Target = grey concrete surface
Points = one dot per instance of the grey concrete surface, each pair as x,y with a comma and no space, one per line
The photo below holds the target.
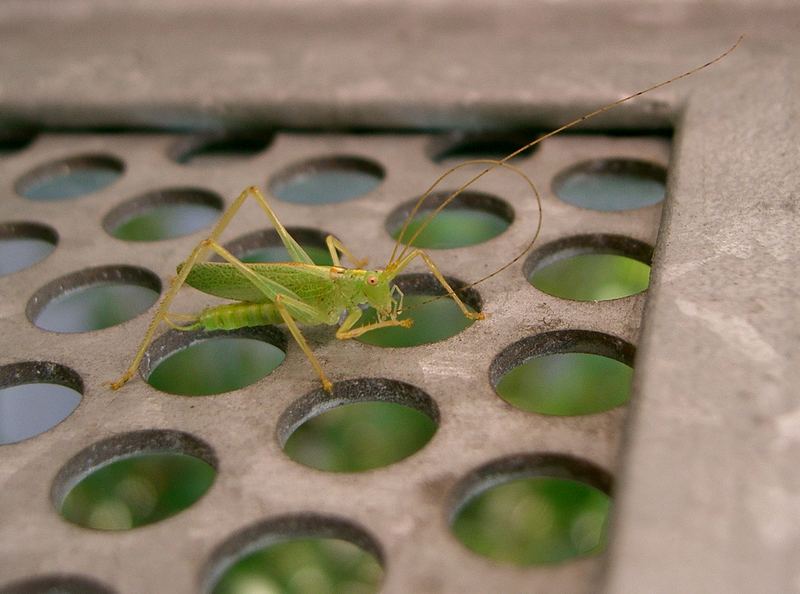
712,487
353,63
704,467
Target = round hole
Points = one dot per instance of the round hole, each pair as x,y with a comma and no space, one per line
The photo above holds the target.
93,299
591,267
533,510
434,319
611,184
465,146
134,479
70,178
304,553
366,423
56,584
164,214
566,372
24,244
34,397
218,149
198,363
327,180
265,246
471,218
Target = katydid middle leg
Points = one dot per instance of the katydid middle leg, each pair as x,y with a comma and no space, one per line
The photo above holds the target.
335,244
346,330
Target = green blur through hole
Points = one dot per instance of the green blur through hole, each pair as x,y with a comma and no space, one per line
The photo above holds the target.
567,384
304,566
74,182
167,221
453,228
137,491
610,191
592,277
535,521
95,307
20,252
216,365
433,321
359,436
326,186
319,256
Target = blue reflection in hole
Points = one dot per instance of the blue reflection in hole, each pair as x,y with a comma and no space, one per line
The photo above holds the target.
327,186
19,253
610,192
70,178
612,184
70,185
95,307
31,409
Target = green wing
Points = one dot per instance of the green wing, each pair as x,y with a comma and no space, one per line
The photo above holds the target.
305,282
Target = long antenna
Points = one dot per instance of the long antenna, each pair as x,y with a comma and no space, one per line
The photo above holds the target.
501,162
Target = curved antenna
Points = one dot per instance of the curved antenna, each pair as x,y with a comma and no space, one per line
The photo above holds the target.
504,160
495,164
418,205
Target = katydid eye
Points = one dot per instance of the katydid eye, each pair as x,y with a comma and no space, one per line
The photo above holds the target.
372,280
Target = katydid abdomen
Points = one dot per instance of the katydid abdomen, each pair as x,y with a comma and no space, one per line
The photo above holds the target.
239,315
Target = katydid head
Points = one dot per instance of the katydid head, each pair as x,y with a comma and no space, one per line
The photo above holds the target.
378,291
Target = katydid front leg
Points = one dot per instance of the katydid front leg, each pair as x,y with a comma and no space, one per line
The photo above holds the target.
345,333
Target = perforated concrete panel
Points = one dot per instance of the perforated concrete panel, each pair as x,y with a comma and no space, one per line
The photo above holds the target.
700,464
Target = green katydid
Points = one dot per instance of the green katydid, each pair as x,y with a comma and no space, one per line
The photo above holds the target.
302,292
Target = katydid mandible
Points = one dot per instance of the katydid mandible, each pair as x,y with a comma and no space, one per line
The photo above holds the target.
300,292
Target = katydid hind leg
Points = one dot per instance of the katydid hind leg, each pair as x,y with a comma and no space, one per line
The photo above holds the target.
296,252
176,283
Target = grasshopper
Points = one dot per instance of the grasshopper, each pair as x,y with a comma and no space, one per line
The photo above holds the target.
300,292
